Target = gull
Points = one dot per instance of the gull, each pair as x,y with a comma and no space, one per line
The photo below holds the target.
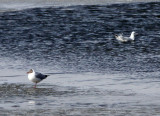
121,38
35,77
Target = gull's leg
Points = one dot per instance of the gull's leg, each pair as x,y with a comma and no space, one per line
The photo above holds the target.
35,85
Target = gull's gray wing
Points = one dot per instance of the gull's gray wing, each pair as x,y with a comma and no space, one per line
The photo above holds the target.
40,76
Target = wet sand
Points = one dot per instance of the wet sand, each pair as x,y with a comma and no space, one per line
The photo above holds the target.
77,96
22,99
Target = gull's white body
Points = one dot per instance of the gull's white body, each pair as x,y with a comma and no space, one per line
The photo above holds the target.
32,77
121,38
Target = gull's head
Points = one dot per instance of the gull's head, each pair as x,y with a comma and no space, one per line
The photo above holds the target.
30,71
134,33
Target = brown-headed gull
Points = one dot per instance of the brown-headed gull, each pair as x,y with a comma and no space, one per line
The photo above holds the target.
121,38
35,77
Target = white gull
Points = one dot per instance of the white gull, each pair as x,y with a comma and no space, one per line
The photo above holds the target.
35,77
121,38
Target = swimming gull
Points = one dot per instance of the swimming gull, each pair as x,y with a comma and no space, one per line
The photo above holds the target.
121,38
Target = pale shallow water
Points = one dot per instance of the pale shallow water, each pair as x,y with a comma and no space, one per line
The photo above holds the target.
90,72
9,5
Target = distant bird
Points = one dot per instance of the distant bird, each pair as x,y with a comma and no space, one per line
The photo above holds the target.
121,38
35,77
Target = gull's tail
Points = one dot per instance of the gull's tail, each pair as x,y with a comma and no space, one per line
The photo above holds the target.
46,76
116,35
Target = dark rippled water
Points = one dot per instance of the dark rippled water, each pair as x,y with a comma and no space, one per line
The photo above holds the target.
90,72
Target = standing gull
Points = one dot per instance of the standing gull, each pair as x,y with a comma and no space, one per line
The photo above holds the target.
35,77
121,38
